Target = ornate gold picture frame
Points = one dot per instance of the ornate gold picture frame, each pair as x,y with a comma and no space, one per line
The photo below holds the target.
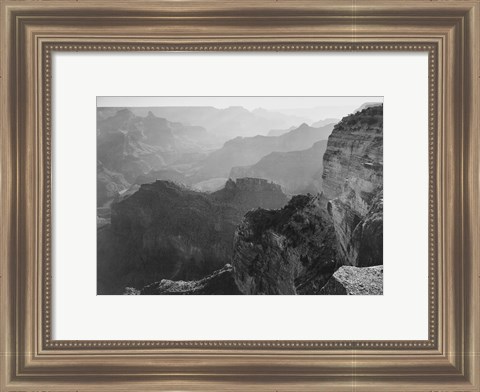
448,31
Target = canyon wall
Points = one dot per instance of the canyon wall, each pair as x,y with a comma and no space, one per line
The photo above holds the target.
297,249
353,184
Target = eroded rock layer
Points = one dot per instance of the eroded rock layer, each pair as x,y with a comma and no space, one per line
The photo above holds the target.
287,251
353,184
295,250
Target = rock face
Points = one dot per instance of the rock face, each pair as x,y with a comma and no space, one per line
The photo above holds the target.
220,282
287,251
296,250
245,151
166,231
348,280
250,193
298,172
353,182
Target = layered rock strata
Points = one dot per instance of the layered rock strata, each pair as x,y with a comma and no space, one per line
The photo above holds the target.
353,183
296,250
287,251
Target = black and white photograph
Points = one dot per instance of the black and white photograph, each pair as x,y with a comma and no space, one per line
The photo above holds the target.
239,195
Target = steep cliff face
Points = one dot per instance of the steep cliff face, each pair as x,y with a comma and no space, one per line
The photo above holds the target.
287,251
166,231
296,250
353,160
353,182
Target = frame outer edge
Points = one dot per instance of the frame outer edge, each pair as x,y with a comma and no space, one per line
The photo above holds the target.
470,169
472,164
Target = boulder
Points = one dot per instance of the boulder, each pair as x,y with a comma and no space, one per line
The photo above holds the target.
349,280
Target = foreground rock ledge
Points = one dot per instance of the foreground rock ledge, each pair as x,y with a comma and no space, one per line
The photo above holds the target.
221,282
348,280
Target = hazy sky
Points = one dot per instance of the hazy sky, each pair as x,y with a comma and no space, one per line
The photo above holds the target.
332,106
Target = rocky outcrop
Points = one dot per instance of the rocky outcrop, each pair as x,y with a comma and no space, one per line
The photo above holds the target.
250,193
287,251
220,282
297,172
353,182
348,280
166,231
162,174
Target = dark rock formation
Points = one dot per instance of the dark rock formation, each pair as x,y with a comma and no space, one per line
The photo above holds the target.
353,182
162,174
298,172
287,251
348,280
245,151
220,282
250,193
367,238
166,231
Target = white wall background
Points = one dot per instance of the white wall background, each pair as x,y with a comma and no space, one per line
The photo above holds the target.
401,313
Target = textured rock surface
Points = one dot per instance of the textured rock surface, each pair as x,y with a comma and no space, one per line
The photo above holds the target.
296,250
166,231
367,239
353,160
287,251
353,182
348,280
298,172
220,282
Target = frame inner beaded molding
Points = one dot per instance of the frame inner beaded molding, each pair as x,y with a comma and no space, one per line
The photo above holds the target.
47,341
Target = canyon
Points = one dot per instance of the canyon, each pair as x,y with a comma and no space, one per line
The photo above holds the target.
299,213
167,231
